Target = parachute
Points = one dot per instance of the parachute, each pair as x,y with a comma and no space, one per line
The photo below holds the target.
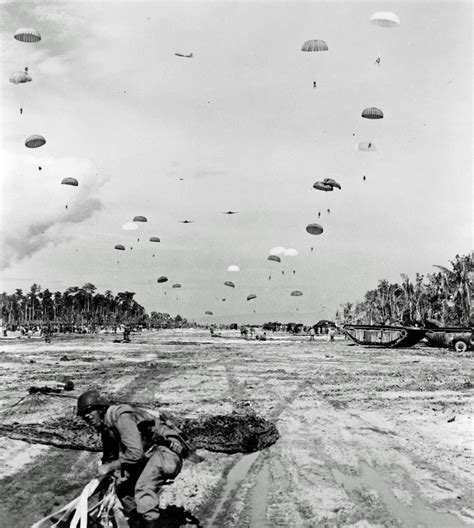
120,247
27,35
296,293
314,45
277,250
314,229
70,181
129,226
35,141
20,77
291,252
372,113
366,146
233,268
251,296
161,279
274,257
208,313
321,186
140,219
229,283
385,19
154,239
331,182
176,286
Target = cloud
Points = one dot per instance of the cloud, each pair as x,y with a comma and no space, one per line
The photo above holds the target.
38,211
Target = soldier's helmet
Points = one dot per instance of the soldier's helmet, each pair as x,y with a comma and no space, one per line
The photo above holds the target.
90,400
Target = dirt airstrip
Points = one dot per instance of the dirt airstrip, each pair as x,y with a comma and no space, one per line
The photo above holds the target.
368,437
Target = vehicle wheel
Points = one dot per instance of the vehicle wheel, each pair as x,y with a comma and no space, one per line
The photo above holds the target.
460,346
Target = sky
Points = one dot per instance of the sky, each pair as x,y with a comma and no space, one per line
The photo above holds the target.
237,127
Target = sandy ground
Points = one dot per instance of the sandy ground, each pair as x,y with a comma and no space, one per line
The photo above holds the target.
369,437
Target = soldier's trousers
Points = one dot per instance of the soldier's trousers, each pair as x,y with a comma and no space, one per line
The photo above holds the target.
141,490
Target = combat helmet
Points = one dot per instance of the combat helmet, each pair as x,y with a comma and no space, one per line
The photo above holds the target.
90,400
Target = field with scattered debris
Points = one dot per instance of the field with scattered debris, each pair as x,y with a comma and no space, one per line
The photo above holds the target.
368,437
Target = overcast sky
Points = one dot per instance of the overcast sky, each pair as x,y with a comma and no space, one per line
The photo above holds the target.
237,127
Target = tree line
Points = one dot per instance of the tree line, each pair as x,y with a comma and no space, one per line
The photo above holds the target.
79,306
441,298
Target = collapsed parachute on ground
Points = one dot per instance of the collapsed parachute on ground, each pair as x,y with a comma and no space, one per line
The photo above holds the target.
290,252
229,283
275,258
129,226
233,268
120,247
35,141
70,181
321,186
251,296
372,113
140,219
154,239
366,146
314,45
20,77
314,229
331,182
176,285
162,279
209,312
27,35
296,293
385,19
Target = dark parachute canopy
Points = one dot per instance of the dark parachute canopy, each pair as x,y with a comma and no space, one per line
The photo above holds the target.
20,77
275,258
251,296
314,229
140,219
154,239
208,312
35,141
296,293
27,35
162,279
229,283
331,182
372,113
321,186
70,181
120,247
176,285
314,45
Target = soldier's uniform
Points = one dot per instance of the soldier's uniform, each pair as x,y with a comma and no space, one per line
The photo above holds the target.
149,452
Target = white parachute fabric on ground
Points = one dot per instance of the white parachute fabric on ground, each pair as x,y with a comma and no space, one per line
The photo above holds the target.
80,504
82,509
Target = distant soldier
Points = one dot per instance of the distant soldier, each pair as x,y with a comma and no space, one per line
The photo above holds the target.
126,334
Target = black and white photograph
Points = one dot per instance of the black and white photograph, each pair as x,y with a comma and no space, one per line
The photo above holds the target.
236,264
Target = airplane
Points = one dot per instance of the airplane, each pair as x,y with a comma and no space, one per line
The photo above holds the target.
186,221
190,56
230,212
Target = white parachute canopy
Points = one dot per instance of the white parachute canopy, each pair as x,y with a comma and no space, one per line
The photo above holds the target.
233,268
385,19
290,252
130,226
279,250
